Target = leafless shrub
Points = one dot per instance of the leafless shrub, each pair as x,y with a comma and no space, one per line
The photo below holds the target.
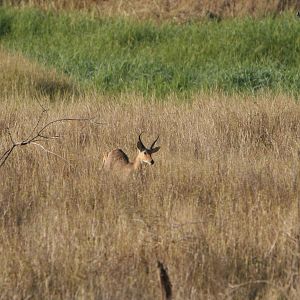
38,134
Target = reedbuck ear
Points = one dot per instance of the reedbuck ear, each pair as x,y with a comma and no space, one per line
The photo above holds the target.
154,150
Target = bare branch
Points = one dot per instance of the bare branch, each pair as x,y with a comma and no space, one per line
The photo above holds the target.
36,125
36,135
62,120
50,152
6,154
40,104
48,137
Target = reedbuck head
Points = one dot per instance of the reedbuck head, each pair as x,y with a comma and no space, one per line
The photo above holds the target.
145,154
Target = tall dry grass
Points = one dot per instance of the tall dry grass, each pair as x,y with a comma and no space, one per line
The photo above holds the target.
167,9
218,208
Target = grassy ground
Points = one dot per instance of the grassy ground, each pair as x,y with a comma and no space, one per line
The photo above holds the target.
219,207
123,55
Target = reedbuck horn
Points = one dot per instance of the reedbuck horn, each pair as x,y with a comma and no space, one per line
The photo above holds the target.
151,147
140,144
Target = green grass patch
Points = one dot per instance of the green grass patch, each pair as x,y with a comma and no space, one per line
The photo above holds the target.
117,55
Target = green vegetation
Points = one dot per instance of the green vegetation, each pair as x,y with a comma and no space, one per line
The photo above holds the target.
114,55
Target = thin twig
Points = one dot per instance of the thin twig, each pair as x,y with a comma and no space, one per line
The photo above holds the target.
50,152
40,104
36,125
62,120
5,156
49,137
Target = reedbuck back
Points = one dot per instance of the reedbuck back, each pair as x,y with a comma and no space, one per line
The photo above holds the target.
118,162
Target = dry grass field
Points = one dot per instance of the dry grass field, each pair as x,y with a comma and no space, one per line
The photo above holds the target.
177,10
218,208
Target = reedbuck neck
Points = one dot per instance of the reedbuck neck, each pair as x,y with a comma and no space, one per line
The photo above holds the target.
118,161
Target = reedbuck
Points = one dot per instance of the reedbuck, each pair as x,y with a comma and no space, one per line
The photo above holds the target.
118,162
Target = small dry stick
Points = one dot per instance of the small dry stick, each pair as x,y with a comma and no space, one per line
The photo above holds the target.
37,135
165,283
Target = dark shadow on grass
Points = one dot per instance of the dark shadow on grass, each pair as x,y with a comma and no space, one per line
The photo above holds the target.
54,89
5,22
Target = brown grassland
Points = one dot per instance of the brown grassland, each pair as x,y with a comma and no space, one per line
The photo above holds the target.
178,10
218,208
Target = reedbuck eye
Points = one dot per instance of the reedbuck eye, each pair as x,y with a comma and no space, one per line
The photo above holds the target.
145,152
